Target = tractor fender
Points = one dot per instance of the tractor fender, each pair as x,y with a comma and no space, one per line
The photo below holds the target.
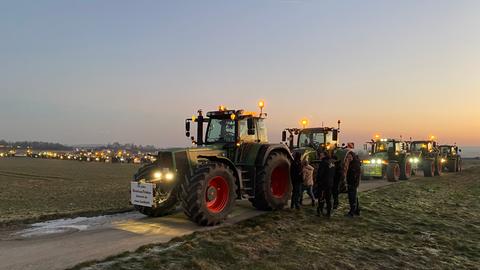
266,150
225,161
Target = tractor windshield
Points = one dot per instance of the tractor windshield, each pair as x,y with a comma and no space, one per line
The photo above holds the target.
311,139
446,150
419,146
220,131
382,146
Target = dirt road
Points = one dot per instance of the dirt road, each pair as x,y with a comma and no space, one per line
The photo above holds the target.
60,244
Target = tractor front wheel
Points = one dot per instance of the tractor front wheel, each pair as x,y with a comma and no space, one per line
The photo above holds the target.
273,185
452,165
393,172
209,196
428,168
405,169
438,167
165,208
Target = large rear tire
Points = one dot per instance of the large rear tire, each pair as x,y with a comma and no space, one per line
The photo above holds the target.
428,168
405,169
273,185
209,196
393,172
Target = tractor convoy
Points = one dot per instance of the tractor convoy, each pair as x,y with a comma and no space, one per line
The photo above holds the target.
231,159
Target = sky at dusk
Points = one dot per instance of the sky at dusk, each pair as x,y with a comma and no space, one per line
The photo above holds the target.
80,72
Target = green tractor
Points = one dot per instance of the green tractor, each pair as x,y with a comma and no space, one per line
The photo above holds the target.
310,141
387,158
233,161
451,159
425,156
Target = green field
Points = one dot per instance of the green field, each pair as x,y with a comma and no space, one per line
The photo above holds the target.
427,223
38,189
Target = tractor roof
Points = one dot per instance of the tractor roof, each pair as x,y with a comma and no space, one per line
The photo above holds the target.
227,114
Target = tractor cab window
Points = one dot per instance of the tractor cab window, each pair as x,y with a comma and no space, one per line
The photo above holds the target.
243,132
383,146
419,146
445,150
311,139
221,131
329,138
262,131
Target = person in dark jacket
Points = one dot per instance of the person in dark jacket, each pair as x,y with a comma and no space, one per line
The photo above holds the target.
297,180
336,181
353,181
325,175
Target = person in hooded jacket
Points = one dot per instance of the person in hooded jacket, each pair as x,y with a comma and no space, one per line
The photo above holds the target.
325,175
307,173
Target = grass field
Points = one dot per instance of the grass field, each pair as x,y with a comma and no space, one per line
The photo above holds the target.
38,189
429,223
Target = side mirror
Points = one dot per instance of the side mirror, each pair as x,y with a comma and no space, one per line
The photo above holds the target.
187,128
284,136
251,126
335,135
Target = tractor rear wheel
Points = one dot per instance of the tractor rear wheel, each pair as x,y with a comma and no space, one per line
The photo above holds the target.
209,196
438,167
452,165
405,169
428,168
393,172
273,185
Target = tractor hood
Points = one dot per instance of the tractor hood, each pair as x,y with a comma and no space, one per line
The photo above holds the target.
379,155
179,162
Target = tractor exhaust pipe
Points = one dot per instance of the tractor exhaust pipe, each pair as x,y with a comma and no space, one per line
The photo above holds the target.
200,128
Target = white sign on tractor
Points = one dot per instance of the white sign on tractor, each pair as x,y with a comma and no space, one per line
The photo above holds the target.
141,194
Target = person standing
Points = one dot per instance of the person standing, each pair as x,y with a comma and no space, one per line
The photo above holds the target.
336,181
307,173
326,172
353,181
297,181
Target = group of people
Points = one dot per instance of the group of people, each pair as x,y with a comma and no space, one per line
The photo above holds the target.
322,184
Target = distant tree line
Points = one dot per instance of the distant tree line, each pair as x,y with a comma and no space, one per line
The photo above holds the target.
36,145
61,147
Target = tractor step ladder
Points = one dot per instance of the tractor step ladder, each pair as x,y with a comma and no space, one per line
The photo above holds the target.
248,186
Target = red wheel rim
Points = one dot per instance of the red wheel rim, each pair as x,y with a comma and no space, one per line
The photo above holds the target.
217,193
279,181
408,169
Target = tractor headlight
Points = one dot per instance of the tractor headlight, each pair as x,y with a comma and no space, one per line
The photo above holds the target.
157,175
373,161
410,160
443,160
169,176
415,160
379,161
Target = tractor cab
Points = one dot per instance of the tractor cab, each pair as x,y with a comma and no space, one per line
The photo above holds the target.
318,138
449,150
423,147
228,128
388,146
